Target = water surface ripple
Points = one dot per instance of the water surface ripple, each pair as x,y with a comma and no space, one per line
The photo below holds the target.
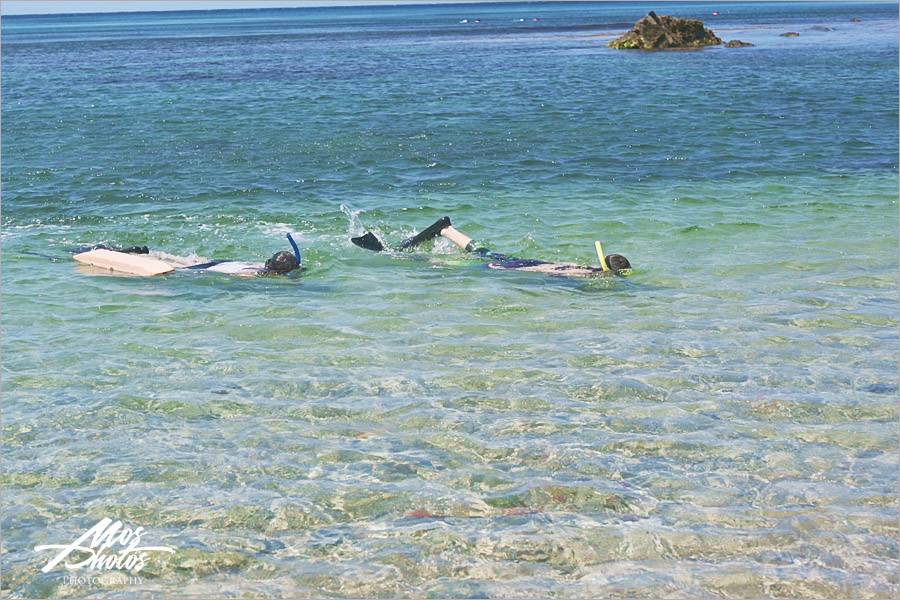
723,423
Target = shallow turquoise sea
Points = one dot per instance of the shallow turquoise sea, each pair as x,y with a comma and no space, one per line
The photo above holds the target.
721,424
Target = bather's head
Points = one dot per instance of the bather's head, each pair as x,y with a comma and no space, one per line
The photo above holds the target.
281,263
617,262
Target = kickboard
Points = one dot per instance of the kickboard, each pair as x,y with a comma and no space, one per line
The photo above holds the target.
135,264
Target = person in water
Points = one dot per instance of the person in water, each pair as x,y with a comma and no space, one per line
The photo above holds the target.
615,264
281,263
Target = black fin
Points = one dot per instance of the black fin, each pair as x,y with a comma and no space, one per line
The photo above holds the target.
368,242
432,232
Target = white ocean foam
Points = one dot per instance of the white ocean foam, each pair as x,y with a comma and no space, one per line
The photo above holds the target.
444,246
179,261
355,227
280,230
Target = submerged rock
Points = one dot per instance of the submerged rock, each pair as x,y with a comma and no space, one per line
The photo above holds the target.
656,33
856,20
790,34
821,28
738,44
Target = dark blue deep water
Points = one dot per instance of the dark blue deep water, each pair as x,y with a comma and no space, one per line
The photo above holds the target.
722,423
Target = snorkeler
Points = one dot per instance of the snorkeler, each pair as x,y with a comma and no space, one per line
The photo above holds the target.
612,264
281,263
128,260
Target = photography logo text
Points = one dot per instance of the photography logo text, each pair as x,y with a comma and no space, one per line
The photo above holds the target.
108,547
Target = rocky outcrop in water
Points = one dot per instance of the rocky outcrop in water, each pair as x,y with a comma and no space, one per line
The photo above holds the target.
790,34
657,33
738,44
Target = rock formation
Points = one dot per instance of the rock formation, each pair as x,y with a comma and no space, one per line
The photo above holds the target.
738,44
790,34
656,33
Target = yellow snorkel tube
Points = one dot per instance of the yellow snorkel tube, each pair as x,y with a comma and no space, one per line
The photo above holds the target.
600,256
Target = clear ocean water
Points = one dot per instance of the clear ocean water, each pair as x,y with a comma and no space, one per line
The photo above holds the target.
721,424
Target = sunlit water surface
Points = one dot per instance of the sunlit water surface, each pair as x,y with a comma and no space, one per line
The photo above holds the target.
722,423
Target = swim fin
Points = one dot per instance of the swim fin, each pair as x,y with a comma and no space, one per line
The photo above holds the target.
368,242
432,232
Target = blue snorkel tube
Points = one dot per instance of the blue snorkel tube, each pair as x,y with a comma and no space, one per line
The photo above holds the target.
296,249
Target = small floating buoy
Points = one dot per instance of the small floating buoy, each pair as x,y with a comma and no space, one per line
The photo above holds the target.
715,14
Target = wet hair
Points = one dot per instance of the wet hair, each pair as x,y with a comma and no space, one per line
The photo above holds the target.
617,262
281,263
